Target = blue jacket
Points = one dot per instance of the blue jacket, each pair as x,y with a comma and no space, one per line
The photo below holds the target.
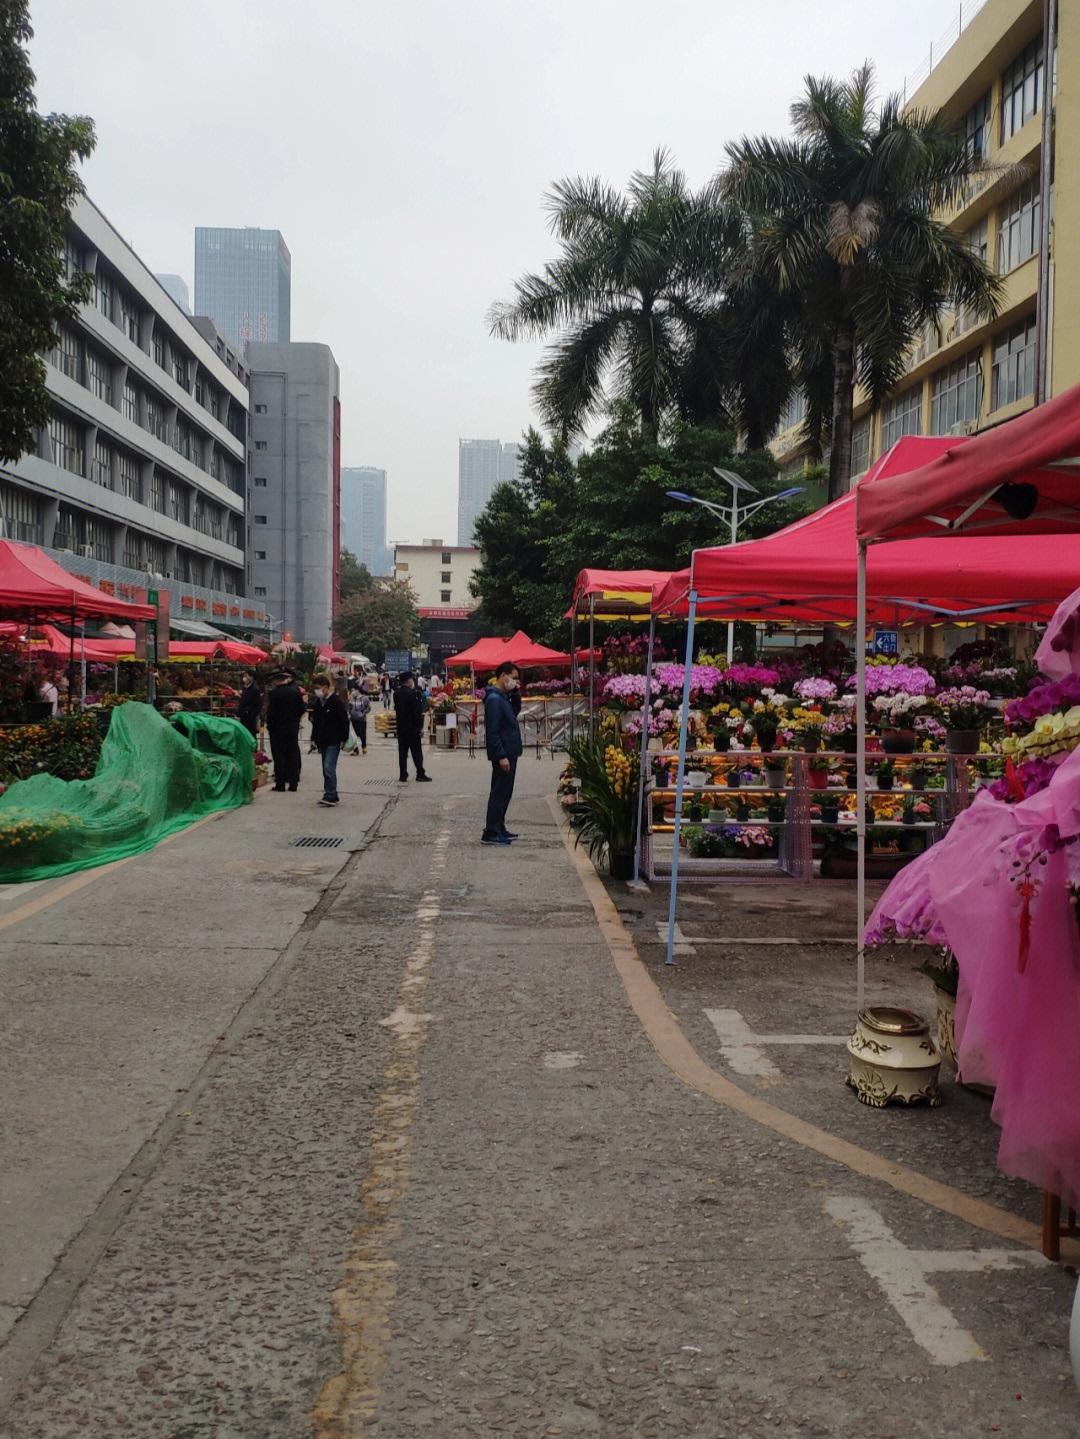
500,727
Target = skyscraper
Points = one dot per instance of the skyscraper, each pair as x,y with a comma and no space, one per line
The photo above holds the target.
243,280
363,518
482,464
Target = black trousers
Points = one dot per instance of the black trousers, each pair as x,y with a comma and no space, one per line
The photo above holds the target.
409,744
285,752
502,791
359,724
250,722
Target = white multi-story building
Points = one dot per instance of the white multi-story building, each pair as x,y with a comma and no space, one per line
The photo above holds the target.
439,576
139,478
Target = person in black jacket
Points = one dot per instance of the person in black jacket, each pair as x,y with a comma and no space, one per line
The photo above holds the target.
249,706
329,731
504,749
409,722
284,710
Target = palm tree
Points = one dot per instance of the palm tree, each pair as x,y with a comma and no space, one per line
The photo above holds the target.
845,227
631,298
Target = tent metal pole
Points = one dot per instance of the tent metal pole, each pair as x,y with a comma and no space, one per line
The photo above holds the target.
860,781
592,662
83,679
71,661
643,765
680,777
573,665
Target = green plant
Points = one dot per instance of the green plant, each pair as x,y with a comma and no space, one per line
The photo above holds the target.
886,770
608,795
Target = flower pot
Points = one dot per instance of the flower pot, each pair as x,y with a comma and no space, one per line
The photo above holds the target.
818,778
621,863
946,1023
886,782
721,742
776,776
811,741
775,813
898,741
847,743
892,1058
734,778
766,743
909,817
830,815
962,741
918,775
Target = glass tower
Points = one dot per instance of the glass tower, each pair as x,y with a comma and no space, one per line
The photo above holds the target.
243,280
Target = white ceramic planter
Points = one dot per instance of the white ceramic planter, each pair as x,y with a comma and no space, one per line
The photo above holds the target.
893,1060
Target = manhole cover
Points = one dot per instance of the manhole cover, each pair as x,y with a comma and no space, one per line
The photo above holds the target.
380,784
318,841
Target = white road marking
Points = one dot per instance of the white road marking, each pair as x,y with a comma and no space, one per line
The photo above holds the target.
901,1273
566,1059
681,946
743,1049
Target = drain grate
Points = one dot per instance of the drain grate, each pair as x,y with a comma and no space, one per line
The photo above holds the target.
380,784
318,841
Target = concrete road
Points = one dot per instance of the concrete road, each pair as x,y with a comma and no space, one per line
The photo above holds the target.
397,1137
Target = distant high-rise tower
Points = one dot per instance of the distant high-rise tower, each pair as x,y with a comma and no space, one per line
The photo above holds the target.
176,289
482,464
363,518
243,280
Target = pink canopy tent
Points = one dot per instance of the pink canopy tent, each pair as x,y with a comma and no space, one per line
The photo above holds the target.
32,586
519,649
327,654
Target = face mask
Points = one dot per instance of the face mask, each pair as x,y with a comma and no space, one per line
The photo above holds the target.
511,684
321,694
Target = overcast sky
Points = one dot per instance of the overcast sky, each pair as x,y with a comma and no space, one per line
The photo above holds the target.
404,149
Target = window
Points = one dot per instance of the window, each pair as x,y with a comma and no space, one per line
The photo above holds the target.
21,514
259,482
99,376
180,369
260,554
215,404
446,577
236,532
445,597
132,550
260,409
794,411
159,348
178,502
101,464
200,389
445,558
130,479
258,519
102,296
1018,231
130,402
956,395
67,353
1021,89
260,592
67,443
155,419
976,129
860,445
902,416
66,534
155,555
1013,373
74,258
97,539
129,316
235,423
158,491
260,444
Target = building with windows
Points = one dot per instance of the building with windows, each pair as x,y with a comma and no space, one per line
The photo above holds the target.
968,374
243,280
439,576
482,464
295,487
139,478
363,518
175,286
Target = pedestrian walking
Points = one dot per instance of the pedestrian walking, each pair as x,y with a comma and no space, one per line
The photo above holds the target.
409,722
249,706
359,709
503,750
329,731
284,710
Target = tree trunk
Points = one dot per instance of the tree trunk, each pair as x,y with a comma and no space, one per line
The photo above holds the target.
843,404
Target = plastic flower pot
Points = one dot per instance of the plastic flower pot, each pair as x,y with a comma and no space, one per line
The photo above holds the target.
775,813
721,741
818,778
734,778
776,775
621,864
962,741
811,741
898,741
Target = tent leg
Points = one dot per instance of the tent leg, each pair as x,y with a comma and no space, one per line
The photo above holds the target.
680,777
592,661
573,666
860,780
643,771
83,678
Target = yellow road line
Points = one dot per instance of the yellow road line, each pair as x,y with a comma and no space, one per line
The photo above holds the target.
679,1055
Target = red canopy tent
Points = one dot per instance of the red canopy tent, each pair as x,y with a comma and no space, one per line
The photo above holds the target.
32,586
491,651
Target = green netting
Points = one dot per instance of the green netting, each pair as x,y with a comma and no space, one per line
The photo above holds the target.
152,778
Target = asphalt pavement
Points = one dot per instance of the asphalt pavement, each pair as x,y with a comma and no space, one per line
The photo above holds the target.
389,1133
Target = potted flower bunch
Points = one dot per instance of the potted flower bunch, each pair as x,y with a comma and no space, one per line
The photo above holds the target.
895,715
885,774
818,776
808,725
762,722
719,725
746,841
608,795
838,731
964,711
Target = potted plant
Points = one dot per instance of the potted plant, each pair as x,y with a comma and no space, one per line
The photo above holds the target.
917,775
818,775
733,776
775,772
608,791
944,975
830,809
775,810
964,712
886,772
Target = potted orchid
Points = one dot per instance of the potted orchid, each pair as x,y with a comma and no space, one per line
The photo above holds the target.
964,710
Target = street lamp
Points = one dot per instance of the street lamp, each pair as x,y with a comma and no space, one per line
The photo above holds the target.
732,514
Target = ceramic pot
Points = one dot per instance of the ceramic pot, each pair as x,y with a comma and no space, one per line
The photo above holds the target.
776,776
898,741
962,741
775,813
946,1023
766,743
893,1060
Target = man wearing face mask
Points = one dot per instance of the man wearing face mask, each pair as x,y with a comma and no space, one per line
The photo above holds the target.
329,731
503,749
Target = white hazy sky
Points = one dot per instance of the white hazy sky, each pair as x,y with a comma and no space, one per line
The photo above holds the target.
404,150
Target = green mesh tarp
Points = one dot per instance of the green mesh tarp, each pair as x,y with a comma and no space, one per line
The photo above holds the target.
152,778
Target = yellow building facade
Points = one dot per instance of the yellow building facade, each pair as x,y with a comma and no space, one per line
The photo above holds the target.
968,374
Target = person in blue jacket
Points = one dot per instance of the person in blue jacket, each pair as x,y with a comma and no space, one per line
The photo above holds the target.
503,749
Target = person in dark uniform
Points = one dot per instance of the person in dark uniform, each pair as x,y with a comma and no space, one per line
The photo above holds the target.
285,709
409,722
249,707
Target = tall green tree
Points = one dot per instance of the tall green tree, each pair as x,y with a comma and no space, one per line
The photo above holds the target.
38,181
631,300
378,615
846,227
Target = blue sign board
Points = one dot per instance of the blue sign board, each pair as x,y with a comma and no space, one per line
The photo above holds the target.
886,642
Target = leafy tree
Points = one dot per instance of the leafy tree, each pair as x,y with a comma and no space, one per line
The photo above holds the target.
38,182
610,511
845,228
351,576
632,300
379,615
